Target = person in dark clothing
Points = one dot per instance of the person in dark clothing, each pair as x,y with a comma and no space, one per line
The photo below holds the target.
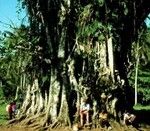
13,109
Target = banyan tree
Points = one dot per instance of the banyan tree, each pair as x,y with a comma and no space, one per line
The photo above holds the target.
83,49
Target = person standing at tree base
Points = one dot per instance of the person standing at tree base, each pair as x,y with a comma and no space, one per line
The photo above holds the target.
130,119
84,111
9,110
103,119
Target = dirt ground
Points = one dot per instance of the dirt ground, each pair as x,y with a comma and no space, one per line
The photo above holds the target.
115,127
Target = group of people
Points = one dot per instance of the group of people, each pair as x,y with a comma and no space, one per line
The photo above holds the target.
11,110
128,118
85,113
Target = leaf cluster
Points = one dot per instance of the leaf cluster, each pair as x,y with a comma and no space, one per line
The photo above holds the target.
15,58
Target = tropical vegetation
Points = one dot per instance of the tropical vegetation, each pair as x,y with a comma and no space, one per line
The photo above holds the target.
75,49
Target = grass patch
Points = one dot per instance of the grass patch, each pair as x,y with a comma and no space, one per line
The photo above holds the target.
141,107
3,114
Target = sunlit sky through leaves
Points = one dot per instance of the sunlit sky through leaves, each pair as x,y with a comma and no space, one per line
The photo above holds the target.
9,14
147,21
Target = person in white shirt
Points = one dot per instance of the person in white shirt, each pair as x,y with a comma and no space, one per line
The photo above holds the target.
84,111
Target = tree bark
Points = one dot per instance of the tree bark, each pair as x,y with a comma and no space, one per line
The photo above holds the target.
79,64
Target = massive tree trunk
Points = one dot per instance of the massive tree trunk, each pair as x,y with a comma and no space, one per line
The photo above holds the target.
73,65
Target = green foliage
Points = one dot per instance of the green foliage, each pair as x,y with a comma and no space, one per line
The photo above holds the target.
100,2
143,86
3,114
15,57
89,24
141,107
144,71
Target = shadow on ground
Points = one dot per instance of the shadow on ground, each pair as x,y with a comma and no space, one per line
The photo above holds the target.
143,116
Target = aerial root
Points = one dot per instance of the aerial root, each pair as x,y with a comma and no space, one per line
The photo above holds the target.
55,124
22,117
16,120
11,121
31,119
